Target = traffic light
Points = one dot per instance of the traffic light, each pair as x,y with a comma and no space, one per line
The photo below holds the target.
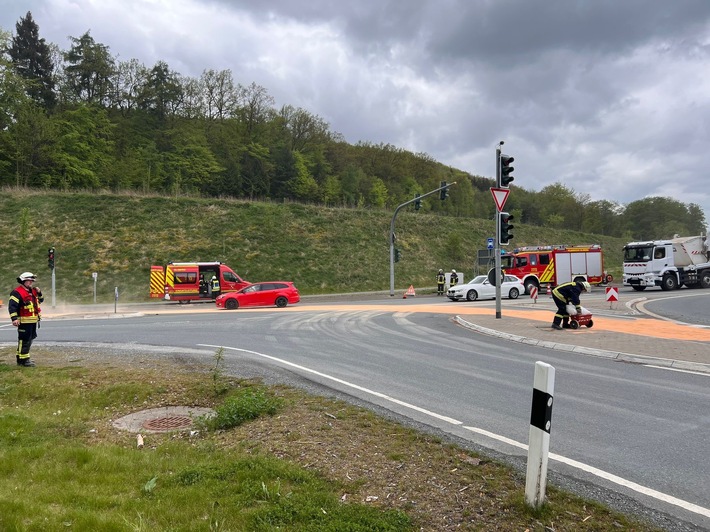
505,227
397,255
50,258
444,192
506,170
417,202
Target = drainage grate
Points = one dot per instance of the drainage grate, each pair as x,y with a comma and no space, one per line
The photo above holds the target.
168,423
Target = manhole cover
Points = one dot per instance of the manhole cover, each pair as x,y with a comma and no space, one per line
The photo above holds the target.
163,419
164,424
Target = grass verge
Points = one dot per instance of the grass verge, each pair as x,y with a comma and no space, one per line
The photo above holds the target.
273,458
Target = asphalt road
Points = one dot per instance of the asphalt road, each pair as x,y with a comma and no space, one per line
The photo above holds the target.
685,305
637,422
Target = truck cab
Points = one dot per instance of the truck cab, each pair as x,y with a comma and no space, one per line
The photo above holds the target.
669,264
645,262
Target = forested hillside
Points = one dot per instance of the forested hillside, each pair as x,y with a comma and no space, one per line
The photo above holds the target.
323,249
81,119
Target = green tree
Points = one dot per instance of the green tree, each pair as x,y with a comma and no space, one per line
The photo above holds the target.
305,130
89,71
85,146
188,163
255,108
660,217
601,218
377,195
560,207
219,94
33,141
127,82
350,180
32,60
331,191
257,170
162,93
302,185
12,98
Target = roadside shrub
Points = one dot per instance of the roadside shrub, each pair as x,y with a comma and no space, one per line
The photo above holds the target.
244,405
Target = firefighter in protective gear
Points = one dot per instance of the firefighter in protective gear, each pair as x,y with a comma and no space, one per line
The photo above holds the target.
564,294
453,278
440,282
214,284
25,314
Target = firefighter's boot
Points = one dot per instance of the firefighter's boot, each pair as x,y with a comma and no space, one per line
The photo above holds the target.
25,362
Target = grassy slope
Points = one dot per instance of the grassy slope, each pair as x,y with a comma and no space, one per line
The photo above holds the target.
324,250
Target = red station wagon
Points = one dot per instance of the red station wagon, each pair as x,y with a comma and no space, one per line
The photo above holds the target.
279,293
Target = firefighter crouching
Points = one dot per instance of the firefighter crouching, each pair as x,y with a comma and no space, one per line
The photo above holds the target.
564,294
25,314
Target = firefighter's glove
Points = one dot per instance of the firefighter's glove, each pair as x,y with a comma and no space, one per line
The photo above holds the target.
579,310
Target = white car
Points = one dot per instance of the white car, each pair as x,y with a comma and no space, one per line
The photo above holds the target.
480,288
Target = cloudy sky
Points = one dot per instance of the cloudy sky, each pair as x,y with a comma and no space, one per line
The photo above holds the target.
609,97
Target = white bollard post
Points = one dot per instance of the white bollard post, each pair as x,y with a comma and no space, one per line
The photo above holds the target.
539,439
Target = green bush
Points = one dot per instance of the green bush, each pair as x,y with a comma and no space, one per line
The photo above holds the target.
246,404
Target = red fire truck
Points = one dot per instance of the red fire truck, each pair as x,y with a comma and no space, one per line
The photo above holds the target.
191,281
539,266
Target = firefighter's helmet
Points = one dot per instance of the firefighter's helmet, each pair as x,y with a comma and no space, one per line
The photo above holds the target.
586,286
26,276
441,271
453,271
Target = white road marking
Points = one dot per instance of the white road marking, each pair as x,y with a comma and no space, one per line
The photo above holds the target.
678,370
694,508
344,383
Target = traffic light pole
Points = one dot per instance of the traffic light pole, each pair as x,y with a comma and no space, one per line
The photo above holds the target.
53,290
392,234
497,264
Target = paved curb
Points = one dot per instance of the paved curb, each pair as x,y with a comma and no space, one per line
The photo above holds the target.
614,355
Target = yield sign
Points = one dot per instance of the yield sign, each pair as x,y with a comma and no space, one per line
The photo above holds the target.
500,195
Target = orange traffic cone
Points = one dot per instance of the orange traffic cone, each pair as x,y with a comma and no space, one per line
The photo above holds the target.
410,291
549,291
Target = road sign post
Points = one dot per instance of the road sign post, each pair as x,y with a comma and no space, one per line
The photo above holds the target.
539,438
612,295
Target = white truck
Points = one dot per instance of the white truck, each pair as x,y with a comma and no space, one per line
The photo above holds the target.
669,264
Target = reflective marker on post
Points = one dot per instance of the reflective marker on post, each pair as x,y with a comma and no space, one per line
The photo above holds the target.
539,439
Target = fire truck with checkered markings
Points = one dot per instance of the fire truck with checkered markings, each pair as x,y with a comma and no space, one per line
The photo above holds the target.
669,264
542,266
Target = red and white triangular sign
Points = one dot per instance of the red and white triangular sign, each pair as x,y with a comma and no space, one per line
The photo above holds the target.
500,196
612,294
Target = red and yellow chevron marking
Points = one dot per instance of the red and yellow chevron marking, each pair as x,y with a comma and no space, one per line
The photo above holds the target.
548,276
157,286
